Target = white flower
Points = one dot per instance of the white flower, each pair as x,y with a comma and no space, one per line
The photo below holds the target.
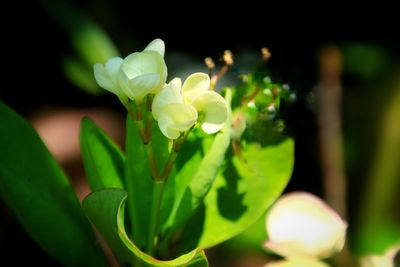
178,107
384,260
144,72
300,225
297,263
106,75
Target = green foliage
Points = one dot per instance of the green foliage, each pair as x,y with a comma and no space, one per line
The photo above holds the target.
41,197
80,75
377,219
242,194
139,184
217,188
197,178
90,42
366,61
103,160
105,208
248,184
250,239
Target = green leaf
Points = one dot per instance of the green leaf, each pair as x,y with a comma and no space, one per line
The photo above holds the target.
368,61
188,160
207,171
197,184
138,183
91,42
103,160
159,145
250,239
202,180
377,220
241,193
41,197
105,208
81,75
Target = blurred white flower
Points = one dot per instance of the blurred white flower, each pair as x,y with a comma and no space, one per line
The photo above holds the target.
178,107
384,260
302,226
297,263
145,72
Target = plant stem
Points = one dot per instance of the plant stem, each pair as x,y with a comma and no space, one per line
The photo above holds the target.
152,162
216,77
148,118
168,166
125,102
158,191
176,147
149,149
142,131
329,92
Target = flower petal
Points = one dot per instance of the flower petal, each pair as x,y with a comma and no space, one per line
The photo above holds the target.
123,82
194,85
171,93
177,82
214,109
113,66
137,64
144,84
107,76
102,77
318,230
297,263
176,118
156,45
290,249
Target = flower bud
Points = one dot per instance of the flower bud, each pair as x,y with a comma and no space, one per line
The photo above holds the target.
300,225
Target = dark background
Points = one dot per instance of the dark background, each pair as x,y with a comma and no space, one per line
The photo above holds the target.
36,43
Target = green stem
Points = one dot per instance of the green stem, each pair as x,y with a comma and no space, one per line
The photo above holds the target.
168,166
147,117
144,124
152,162
173,155
149,149
142,131
148,129
125,102
155,216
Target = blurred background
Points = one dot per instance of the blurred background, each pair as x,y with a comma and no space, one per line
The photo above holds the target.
344,66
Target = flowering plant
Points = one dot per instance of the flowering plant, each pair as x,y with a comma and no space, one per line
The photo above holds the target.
176,190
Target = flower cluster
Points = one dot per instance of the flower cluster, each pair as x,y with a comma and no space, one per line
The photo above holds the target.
176,107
